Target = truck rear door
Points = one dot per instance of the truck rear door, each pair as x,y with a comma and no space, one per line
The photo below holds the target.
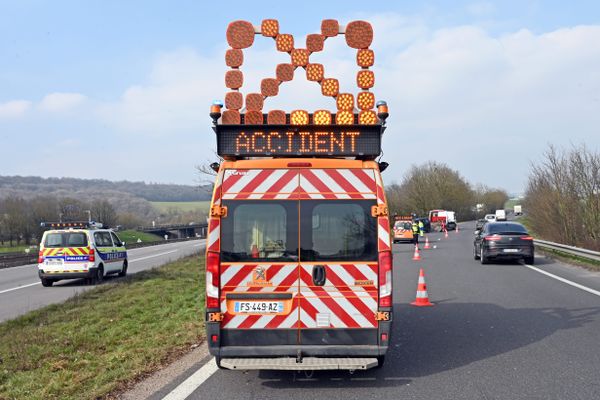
259,258
338,257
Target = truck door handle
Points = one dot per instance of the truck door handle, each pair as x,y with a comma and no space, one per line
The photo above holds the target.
319,275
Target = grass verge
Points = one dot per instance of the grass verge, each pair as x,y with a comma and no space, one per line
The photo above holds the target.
104,339
132,236
17,249
587,263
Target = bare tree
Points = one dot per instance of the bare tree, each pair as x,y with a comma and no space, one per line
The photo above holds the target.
563,197
15,220
102,211
431,186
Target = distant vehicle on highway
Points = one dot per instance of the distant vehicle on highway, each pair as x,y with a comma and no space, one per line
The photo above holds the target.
500,215
518,210
442,218
403,231
490,217
71,250
503,240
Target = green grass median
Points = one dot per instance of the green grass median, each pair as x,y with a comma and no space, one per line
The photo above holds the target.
103,339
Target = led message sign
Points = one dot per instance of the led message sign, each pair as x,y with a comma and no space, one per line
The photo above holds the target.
310,140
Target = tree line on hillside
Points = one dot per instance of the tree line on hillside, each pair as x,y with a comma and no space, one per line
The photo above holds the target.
20,218
434,185
33,186
563,197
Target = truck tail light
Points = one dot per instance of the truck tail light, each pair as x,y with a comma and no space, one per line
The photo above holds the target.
40,257
92,255
212,280
385,279
492,238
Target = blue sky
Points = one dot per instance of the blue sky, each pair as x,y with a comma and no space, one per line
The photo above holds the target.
129,83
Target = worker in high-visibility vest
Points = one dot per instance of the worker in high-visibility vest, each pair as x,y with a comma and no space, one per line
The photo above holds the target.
415,231
421,228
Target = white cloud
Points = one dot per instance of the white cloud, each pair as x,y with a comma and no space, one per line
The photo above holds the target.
176,96
14,108
453,93
475,101
61,102
457,95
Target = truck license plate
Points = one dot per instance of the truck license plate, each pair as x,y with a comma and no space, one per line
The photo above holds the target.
54,261
258,307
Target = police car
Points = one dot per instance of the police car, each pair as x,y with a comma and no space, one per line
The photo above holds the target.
72,250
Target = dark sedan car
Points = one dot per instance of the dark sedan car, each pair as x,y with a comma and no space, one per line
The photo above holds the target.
503,240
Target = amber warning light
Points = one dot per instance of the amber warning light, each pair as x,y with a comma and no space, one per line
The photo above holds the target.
351,127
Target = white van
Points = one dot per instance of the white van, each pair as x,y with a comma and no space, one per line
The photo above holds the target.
74,250
500,215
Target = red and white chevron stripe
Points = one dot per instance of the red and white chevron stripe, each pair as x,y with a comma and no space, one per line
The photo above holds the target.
293,184
340,303
337,184
254,184
213,237
238,278
383,223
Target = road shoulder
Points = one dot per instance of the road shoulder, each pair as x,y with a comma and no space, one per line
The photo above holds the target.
161,382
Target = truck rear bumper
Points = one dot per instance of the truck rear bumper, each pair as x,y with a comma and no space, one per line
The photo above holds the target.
58,275
303,350
308,363
264,343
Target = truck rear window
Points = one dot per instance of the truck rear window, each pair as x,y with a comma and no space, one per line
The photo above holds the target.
337,230
260,231
66,239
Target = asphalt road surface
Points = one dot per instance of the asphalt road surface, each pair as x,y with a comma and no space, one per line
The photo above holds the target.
499,331
21,290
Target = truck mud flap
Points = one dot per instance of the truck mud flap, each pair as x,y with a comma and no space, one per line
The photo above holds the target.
291,364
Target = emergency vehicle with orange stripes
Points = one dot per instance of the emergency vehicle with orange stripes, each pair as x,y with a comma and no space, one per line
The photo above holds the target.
75,250
298,256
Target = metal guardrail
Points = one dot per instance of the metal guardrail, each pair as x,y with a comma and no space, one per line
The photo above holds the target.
8,260
172,226
572,250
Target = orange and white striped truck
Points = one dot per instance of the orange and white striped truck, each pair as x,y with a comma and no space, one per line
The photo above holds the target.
298,256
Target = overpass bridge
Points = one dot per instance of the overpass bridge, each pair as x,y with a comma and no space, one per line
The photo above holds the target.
176,231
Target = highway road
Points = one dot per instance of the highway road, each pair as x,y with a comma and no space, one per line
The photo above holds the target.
21,290
499,331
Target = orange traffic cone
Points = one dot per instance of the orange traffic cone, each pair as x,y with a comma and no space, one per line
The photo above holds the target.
456,228
426,243
416,255
446,233
422,299
254,251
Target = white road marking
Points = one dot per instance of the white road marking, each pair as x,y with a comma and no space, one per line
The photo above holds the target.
19,287
568,282
132,261
154,255
192,383
21,267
